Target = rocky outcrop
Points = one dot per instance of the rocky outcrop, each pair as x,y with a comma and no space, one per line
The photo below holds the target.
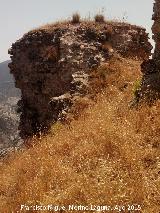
53,65
150,86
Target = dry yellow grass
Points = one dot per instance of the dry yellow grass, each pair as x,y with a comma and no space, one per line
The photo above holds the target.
108,156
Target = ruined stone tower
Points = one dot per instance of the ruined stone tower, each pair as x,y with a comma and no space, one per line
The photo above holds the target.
150,86
53,66
156,30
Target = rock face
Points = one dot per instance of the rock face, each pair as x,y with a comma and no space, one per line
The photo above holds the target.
151,68
52,66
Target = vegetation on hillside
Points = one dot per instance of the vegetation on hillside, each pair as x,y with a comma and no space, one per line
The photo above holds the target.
99,18
109,155
76,18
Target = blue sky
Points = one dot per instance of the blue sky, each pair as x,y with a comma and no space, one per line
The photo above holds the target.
19,16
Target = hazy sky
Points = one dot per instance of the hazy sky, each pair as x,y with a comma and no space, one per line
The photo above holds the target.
19,16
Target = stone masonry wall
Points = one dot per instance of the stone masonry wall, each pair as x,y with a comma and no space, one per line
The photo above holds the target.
156,30
150,86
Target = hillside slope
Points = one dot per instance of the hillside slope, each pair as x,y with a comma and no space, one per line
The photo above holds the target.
7,87
9,119
108,156
4,72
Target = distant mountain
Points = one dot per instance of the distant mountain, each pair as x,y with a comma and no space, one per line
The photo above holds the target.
9,119
7,88
4,72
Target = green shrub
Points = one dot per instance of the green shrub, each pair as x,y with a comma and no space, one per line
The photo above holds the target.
56,127
136,87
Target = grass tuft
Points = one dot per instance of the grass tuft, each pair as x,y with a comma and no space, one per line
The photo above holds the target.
99,18
76,18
